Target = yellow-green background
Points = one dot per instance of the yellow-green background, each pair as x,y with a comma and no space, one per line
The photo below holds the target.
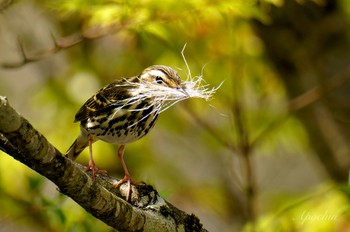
184,158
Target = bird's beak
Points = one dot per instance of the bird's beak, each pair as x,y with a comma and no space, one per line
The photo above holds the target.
182,89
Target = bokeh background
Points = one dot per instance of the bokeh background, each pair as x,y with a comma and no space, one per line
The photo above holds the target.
269,152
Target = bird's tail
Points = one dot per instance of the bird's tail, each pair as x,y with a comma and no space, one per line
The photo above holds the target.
77,147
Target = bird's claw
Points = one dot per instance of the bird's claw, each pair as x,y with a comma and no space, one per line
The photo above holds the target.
94,170
129,181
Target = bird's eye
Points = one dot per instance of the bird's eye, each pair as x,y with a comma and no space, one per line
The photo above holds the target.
159,80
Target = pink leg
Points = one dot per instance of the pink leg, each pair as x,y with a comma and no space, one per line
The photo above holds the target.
127,177
92,165
120,156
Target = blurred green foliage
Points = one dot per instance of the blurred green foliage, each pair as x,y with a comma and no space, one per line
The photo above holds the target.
194,155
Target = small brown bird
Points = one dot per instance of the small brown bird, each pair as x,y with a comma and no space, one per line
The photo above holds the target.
125,111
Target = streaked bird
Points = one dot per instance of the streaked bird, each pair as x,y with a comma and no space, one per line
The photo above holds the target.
125,111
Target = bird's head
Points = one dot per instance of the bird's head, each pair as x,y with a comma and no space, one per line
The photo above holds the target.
161,78
161,87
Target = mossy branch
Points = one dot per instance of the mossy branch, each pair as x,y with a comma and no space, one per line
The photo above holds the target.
147,211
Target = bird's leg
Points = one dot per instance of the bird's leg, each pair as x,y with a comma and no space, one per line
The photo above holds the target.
92,165
127,177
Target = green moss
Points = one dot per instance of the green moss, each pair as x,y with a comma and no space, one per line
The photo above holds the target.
192,223
166,211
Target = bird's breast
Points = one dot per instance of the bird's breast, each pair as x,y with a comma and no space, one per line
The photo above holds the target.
121,126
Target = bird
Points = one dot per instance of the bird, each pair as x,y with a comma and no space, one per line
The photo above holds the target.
124,111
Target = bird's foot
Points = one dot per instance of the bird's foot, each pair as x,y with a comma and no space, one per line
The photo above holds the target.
94,170
129,181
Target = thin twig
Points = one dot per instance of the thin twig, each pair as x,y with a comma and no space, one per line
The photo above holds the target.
245,150
61,44
320,91
212,131
306,99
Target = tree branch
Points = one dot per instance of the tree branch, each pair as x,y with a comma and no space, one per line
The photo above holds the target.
62,44
147,211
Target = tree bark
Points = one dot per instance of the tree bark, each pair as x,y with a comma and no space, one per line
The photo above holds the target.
147,211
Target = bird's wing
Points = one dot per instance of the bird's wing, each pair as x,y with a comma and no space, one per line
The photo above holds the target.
106,99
